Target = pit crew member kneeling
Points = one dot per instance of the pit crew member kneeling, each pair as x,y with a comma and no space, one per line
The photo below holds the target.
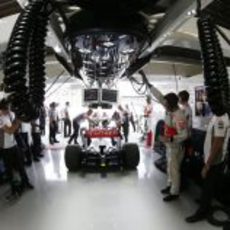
175,134
215,149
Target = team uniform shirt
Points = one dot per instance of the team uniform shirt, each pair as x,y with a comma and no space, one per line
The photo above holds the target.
175,122
53,115
218,127
176,127
79,118
148,113
188,114
7,140
36,126
25,127
66,113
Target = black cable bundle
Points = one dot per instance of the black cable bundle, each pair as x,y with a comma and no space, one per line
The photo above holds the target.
215,72
27,40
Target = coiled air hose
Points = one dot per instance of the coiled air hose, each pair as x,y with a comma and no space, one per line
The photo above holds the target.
26,91
215,71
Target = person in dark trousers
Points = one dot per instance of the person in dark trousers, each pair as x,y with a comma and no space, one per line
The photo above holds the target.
76,125
215,150
125,126
12,159
24,132
67,122
36,139
53,123
42,121
175,133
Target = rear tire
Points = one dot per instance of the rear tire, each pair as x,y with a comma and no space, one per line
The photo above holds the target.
73,157
131,155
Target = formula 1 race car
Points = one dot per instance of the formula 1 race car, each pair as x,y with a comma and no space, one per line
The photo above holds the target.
102,149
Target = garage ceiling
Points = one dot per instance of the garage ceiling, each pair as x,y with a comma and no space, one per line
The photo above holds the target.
183,34
8,7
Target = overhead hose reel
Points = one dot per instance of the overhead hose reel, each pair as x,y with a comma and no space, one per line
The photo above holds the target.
215,71
24,70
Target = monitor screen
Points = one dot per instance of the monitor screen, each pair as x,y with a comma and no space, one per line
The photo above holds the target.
109,95
91,95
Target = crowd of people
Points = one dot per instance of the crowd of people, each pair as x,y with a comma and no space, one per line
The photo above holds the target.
122,117
177,137
19,149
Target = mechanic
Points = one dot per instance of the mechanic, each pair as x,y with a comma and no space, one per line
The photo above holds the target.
148,114
184,105
125,125
42,120
11,156
76,125
175,134
66,119
53,123
36,139
124,116
215,149
184,102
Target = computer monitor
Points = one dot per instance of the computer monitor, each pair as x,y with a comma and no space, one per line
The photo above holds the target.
90,95
109,95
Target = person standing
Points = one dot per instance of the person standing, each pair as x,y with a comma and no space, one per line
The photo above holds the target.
215,150
36,139
53,123
175,133
25,134
125,125
67,122
148,114
42,120
12,159
184,102
76,125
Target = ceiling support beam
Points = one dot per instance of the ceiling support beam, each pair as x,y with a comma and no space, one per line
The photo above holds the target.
176,16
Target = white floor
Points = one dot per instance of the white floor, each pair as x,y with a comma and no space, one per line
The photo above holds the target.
62,201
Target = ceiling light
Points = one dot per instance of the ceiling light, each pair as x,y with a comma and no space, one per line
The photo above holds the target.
85,51
191,12
57,49
108,44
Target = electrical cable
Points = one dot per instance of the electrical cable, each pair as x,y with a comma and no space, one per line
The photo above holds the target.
26,91
215,71
55,80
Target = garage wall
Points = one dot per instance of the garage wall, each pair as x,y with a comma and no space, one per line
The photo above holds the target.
73,92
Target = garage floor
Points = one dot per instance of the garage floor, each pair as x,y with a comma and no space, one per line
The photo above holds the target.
62,201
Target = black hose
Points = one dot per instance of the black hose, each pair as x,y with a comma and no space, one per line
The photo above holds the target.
215,72
27,41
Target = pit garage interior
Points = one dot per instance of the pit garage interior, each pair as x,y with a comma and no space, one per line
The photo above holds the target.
171,60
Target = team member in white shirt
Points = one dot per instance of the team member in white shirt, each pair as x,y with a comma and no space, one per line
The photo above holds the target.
215,149
67,121
36,139
184,102
11,155
25,134
175,134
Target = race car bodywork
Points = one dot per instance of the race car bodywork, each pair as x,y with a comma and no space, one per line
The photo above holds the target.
102,149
